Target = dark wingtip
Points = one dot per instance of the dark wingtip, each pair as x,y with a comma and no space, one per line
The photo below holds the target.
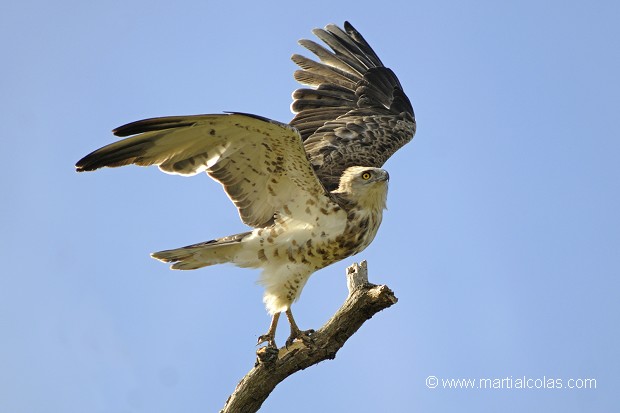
348,27
84,164
156,124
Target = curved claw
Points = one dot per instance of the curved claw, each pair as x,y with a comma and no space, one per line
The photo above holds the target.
267,338
305,337
270,336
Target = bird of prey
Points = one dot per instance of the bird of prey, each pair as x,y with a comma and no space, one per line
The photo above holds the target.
312,190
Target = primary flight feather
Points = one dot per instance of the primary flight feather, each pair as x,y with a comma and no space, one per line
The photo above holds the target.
312,190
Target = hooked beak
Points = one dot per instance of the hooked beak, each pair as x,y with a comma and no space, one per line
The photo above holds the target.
385,176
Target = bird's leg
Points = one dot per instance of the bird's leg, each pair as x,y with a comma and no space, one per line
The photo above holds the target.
296,333
270,336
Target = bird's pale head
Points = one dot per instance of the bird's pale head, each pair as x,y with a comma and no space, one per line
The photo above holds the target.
365,185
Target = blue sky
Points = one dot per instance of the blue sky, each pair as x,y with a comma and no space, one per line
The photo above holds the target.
502,237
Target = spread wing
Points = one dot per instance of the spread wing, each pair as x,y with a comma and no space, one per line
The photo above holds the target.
356,112
261,163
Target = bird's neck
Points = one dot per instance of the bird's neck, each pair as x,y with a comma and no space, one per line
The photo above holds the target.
373,202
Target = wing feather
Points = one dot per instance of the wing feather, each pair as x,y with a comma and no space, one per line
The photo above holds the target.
261,164
356,112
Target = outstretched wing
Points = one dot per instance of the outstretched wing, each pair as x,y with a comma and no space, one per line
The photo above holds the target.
356,113
261,163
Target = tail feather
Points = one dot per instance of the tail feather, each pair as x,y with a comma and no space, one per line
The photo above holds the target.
191,257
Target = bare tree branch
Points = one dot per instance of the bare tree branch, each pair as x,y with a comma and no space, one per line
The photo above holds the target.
273,365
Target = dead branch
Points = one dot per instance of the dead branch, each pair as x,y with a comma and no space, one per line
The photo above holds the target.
273,365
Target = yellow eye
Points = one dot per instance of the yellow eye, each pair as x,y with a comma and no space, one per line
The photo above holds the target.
366,176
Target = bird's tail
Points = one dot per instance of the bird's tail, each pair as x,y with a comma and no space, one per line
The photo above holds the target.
217,251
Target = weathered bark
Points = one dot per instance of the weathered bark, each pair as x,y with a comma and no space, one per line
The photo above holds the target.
273,365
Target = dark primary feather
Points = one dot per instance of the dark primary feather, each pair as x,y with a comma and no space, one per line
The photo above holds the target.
356,112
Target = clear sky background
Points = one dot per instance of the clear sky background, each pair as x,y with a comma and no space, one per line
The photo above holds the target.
501,241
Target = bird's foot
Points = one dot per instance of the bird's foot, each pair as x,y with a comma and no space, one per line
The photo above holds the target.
267,338
305,336
270,336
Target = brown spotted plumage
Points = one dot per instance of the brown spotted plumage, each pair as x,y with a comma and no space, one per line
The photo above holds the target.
313,190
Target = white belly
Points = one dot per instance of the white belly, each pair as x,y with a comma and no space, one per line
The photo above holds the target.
287,253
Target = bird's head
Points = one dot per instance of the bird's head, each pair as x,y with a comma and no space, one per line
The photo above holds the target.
365,185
